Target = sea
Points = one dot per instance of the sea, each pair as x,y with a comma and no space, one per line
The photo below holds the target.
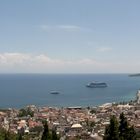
20,90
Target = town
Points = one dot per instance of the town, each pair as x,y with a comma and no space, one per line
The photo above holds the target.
70,122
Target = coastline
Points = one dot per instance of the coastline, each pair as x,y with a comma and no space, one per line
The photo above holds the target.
89,122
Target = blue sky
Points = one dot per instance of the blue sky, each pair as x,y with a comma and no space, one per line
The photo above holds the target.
69,36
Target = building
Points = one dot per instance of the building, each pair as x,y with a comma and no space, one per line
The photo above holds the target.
138,97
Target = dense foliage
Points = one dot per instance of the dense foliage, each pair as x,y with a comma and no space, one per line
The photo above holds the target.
112,130
47,134
4,135
119,130
25,112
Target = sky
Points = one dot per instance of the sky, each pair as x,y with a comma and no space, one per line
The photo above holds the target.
69,36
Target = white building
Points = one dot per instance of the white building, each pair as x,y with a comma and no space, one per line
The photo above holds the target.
138,97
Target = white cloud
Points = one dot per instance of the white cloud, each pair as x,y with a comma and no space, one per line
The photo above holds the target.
22,62
104,49
69,28
13,58
45,27
26,59
41,63
99,47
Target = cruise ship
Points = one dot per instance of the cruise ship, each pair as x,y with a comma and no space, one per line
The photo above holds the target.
96,85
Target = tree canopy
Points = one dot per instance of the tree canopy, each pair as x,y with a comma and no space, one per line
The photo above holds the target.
119,130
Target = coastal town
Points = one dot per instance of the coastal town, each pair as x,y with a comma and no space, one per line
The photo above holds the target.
71,122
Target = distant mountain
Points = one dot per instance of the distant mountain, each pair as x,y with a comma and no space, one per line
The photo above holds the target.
134,75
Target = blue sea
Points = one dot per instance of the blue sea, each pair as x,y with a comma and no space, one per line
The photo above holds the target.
19,90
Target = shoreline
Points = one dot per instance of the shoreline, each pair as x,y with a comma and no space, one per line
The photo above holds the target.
70,107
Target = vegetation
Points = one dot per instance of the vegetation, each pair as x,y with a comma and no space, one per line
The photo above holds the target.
4,135
93,111
126,131
54,135
119,130
47,135
26,112
112,130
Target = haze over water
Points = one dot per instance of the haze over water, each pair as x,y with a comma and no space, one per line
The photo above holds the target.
19,90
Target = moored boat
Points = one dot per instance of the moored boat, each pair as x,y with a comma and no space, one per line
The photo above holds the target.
54,92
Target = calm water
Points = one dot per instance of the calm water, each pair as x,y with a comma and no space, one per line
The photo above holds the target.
19,90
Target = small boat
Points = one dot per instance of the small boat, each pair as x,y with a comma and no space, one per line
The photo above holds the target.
54,92
97,85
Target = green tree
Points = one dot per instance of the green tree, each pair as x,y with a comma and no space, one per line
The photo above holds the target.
112,130
123,128
131,135
121,131
25,112
46,133
20,137
54,135
126,131
7,136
